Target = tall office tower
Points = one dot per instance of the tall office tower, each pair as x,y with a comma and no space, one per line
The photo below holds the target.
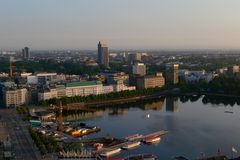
25,53
172,73
103,54
139,69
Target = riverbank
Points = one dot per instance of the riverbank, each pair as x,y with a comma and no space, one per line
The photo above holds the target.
142,98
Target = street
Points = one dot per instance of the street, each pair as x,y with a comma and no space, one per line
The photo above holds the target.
23,146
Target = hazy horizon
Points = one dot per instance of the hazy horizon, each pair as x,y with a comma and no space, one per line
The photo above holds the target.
134,24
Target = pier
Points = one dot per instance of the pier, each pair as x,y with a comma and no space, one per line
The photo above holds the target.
158,133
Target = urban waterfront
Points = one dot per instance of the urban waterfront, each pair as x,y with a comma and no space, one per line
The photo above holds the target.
195,128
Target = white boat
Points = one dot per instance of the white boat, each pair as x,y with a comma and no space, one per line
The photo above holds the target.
131,145
110,152
133,137
152,139
68,129
142,157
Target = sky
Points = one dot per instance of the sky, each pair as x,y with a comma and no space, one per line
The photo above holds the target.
124,24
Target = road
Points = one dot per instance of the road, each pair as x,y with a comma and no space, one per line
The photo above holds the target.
23,146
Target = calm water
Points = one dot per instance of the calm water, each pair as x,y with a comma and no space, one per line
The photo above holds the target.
194,128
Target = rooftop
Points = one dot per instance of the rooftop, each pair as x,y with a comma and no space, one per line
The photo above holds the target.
84,83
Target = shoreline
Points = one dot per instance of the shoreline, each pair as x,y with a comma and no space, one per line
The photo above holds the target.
140,98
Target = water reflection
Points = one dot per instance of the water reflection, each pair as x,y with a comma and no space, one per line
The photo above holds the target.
194,123
158,105
114,110
221,100
172,104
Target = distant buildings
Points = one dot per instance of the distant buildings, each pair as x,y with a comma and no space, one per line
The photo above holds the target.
116,78
103,54
25,53
139,69
172,73
150,81
136,57
196,76
43,78
233,70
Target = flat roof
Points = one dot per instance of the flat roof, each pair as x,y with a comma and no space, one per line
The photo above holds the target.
84,83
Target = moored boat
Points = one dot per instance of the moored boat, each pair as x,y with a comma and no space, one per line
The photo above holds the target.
152,139
142,157
131,145
110,152
76,133
133,137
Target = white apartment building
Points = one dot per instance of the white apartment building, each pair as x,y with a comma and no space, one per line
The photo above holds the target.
15,97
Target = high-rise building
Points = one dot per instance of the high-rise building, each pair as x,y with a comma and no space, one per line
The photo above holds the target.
103,54
172,73
139,69
25,53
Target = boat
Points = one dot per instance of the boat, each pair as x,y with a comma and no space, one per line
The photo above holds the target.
110,152
152,139
142,157
228,112
114,159
68,129
98,146
35,123
76,133
133,137
131,145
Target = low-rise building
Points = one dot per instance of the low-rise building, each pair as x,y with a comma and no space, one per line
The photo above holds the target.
116,78
122,87
107,89
196,76
150,81
47,94
61,91
83,88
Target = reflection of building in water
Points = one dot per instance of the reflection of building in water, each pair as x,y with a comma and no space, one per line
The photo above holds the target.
172,104
119,111
155,105
95,114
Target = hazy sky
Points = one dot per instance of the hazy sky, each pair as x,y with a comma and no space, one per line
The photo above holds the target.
129,24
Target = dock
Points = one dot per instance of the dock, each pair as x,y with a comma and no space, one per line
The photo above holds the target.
158,133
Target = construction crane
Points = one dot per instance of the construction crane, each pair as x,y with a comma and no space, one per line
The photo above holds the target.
60,119
11,67
58,108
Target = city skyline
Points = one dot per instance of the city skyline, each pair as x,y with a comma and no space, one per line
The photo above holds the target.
135,24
